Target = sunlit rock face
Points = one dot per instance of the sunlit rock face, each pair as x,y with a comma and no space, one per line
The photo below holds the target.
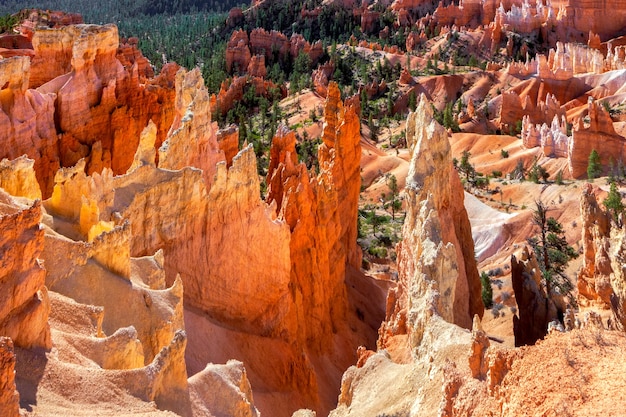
321,214
80,73
436,263
25,305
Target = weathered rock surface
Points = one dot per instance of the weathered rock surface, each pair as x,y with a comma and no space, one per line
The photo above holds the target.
241,50
223,390
514,373
282,279
438,288
535,308
27,121
321,215
25,306
9,397
81,72
436,255
594,285
17,177
599,135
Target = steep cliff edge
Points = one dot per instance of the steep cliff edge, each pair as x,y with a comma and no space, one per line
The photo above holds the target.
25,305
322,215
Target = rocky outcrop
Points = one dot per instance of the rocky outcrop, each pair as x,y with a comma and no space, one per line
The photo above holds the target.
232,90
321,214
228,141
285,275
128,54
191,140
478,362
223,390
514,108
238,52
9,397
437,268
17,177
242,49
599,135
81,72
438,288
594,282
552,140
256,68
534,308
321,77
25,306
27,121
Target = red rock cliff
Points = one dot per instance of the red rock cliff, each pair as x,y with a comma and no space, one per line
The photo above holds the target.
321,214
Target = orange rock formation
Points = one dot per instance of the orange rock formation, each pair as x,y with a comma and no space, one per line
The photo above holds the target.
599,135
85,81
25,306
321,215
241,48
594,285
9,397
190,200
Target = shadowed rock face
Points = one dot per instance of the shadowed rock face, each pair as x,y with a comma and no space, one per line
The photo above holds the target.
594,282
9,398
535,309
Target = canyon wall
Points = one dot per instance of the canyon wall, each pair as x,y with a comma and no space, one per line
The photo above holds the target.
280,279
321,214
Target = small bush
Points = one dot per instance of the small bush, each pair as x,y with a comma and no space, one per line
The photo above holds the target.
377,252
495,310
504,154
487,291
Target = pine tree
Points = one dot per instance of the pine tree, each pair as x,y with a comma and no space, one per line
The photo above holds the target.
466,167
487,291
559,178
594,169
613,202
412,100
552,252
